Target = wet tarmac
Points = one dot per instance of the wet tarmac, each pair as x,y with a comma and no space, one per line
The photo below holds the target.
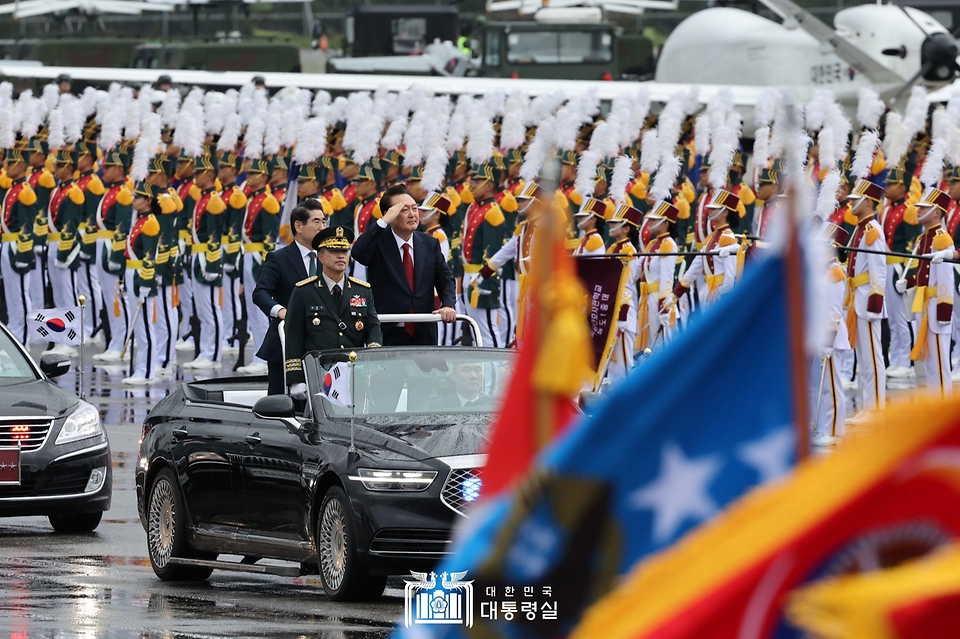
101,584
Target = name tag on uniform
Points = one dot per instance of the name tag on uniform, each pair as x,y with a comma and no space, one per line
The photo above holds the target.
358,302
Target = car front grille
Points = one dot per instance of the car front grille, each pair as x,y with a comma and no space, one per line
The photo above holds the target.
411,541
461,488
28,433
49,484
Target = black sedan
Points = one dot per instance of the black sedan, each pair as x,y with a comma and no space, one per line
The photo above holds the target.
54,453
355,494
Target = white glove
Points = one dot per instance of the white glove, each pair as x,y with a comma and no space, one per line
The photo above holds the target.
298,391
827,352
670,300
901,286
622,327
939,256
874,317
664,319
727,251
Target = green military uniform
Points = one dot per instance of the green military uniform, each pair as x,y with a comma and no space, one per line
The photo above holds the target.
316,321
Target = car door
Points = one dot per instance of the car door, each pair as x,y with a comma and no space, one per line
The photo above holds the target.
207,454
274,496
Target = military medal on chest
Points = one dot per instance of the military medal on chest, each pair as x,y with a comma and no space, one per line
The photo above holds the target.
359,325
316,321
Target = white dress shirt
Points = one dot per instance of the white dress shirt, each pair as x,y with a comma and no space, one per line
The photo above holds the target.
305,254
330,283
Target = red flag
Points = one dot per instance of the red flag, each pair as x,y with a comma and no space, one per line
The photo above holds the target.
552,363
891,496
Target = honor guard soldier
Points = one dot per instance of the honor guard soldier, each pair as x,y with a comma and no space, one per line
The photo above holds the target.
88,281
261,224
328,311
168,274
719,271
866,277
953,230
17,260
230,164
654,315
114,211
367,205
279,173
189,194
899,222
625,235
434,211
42,182
141,282
481,238
509,288
590,220
207,264
831,405
933,286
65,215
769,192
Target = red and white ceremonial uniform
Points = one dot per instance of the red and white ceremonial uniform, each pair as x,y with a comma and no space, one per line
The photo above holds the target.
656,282
831,403
866,279
719,273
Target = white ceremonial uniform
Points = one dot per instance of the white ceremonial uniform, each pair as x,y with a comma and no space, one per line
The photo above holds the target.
932,307
866,280
830,405
656,283
719,273
622,355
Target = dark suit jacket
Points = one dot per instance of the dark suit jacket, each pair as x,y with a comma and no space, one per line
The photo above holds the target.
279,276
377,250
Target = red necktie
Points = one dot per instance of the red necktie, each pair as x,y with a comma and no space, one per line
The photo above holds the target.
408,269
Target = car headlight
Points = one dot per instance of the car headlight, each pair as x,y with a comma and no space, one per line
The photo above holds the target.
394,480
82,423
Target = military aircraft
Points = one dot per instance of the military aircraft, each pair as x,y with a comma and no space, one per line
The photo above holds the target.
885,46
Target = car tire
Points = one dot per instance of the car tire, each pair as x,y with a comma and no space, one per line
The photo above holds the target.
76,522
167,531
343,578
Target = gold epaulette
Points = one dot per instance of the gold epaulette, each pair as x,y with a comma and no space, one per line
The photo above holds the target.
308,280
356,281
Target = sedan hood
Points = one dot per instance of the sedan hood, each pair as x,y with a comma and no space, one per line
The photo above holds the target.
35,398
427,437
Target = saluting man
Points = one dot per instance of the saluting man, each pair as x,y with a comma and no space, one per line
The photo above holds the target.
328,311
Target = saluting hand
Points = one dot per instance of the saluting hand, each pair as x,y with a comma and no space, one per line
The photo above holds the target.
392,213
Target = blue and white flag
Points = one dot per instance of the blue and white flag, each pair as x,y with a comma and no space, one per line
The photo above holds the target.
703,421
337,386
61,325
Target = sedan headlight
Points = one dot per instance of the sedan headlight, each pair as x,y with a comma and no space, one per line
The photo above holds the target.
82,423
394,480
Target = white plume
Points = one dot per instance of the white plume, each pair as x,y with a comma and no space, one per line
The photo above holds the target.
816,109
870,108
538,149
622,174
827,198
231,133
954,144
7,136
170,108
932,171
413,140
827,153
72,117
393,138
761,147
863,157
358,112
666,177
88,102
649,151
253,138
897,138
434,170
338,110
321,100
915,115
940,124
512,130
587,173
701,135
111,131
271,136
480,143
953,106
147,145
766,107
56,138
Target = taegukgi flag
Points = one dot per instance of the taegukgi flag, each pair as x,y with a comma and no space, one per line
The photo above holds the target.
337,386
60,325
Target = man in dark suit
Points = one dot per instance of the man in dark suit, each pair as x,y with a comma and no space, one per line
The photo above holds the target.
405,267
281,272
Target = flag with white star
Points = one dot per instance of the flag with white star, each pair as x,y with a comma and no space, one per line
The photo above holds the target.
689,431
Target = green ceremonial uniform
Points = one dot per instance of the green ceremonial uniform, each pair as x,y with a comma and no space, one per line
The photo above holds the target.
315,322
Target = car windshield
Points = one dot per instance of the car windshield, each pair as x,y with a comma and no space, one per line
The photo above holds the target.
14,367
399,381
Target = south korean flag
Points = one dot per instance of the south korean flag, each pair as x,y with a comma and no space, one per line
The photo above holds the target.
61,325
336,385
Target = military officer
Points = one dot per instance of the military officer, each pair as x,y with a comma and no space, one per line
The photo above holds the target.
329,310
230,164
88,281
65,215
141,282
17,260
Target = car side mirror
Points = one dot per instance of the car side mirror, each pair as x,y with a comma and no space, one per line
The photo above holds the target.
54,365
275,407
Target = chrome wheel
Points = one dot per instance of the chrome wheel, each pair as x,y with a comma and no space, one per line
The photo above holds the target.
333,544
161,523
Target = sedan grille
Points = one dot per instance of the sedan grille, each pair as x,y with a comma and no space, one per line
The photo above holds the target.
28,433
461,488
411,541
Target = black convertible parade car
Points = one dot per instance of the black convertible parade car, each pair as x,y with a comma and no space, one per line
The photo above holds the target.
54,453
354,494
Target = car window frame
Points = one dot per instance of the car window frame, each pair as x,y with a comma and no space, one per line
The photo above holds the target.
38,374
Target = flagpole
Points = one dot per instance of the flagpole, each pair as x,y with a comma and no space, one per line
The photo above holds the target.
83,301
352,358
